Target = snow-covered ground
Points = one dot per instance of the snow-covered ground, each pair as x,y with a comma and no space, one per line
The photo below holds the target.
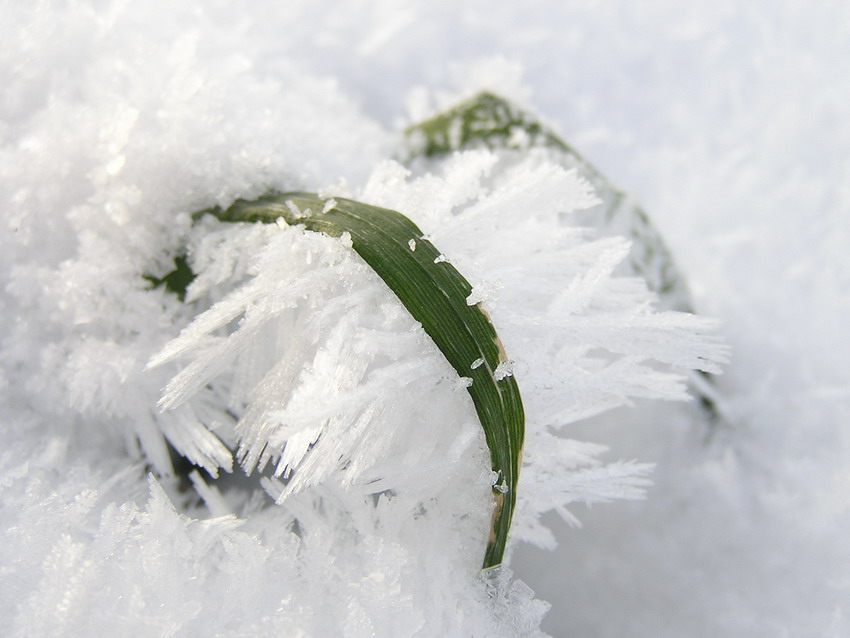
729,121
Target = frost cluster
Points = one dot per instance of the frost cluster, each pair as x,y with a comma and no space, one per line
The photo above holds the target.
344,486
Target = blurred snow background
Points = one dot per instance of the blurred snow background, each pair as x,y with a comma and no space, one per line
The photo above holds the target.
728,121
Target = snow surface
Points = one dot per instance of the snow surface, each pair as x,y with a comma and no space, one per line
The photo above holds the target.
728,121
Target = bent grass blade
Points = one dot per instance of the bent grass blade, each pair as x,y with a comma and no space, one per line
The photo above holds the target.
435,293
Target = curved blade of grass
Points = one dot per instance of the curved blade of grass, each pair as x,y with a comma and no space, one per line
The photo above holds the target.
435,293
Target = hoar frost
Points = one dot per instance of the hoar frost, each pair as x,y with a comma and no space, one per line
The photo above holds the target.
294,361
119,119
334,385
503,370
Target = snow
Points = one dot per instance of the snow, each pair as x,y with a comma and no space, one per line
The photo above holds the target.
728,122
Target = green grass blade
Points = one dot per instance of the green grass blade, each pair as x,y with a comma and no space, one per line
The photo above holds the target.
435,293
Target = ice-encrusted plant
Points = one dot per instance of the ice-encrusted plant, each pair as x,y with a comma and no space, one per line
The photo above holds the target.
371,503
324,389
437,296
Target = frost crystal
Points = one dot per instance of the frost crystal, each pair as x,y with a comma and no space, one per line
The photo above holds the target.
475,297
504,369
464,382
294,209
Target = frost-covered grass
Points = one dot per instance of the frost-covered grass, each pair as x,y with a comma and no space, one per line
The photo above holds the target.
117,121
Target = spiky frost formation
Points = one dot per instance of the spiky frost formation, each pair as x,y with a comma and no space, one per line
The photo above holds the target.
334,380
99,552
581,340
98,175
117,121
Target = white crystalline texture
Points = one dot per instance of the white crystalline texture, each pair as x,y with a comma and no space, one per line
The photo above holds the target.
340,394
301,364
464,382
485,293
503,370
291,359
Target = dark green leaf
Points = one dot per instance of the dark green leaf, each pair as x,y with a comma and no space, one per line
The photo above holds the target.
176,281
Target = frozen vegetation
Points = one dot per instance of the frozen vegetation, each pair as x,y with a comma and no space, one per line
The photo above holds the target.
342,485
